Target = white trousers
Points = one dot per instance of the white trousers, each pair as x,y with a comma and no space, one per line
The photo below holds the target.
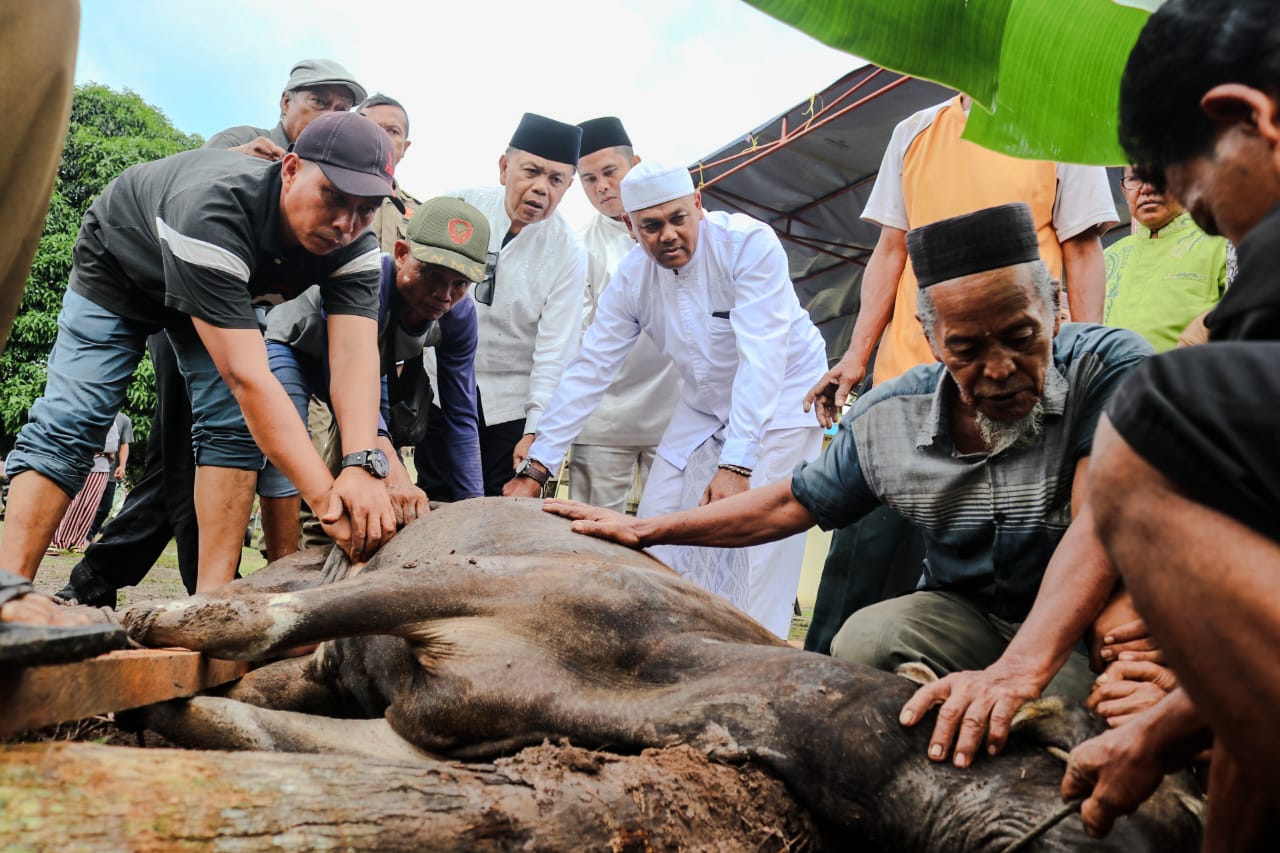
760,580
603,476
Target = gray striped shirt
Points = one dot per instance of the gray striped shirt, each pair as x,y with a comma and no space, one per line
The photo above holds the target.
990,521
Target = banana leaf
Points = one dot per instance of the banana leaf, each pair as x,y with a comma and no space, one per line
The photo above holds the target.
1045,73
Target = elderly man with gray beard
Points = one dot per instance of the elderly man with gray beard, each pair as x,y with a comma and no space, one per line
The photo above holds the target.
984,450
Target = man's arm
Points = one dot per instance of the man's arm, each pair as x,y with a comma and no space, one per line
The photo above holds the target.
241,358
1117,770
760,515
246,140
456,375
1076,585
122,459
879,289
1086,276
355,391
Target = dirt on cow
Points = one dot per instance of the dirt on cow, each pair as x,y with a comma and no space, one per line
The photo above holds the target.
164,583
685,804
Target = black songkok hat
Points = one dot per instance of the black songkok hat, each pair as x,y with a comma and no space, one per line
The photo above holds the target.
976,242
547,138
603,132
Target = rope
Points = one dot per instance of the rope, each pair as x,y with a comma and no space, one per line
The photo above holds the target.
1044,826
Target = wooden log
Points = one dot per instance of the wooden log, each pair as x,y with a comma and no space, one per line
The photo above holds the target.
74,796
37,696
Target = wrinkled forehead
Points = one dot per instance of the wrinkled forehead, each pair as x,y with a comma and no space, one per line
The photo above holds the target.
1011,289
662,212
521,159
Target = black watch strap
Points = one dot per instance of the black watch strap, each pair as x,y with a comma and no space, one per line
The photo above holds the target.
373,461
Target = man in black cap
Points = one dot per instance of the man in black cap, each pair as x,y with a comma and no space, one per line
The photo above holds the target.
982,450
184,244
616,447
529,304
315,87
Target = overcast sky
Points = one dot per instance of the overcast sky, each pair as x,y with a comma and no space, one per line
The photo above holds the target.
685,78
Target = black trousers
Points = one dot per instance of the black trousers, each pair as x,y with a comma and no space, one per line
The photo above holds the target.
497,444
877,557
162,504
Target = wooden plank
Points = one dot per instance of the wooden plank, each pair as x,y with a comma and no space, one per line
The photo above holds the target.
36,696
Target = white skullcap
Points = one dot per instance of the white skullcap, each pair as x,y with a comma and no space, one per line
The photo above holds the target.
650,184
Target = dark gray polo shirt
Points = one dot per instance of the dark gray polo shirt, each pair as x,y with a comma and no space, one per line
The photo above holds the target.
198,234
240,134
991,521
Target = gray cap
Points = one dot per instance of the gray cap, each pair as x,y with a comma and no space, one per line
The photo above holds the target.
324,72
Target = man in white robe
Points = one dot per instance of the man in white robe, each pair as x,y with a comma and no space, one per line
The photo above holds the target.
713,292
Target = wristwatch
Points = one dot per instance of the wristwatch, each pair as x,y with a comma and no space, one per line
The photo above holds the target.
374,461
527,468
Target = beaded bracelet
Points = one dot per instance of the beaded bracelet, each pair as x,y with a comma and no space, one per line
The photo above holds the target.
736,469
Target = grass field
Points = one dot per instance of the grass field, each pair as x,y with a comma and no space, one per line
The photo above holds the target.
163,581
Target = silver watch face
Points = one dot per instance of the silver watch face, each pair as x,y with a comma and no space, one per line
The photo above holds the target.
376,463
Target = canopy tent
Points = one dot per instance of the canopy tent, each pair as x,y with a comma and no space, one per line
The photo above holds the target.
808,173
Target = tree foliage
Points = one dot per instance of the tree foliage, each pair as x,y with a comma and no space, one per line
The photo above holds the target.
108,132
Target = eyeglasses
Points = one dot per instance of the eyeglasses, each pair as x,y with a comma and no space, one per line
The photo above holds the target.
484,288
1131,182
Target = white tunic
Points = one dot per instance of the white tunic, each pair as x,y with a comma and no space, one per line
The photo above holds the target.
731,323
528,334
748,353
635,410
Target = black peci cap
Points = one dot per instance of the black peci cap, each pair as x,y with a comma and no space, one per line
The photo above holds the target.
975,242
600,133
548,138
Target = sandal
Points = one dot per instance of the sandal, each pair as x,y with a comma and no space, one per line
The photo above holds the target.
22,643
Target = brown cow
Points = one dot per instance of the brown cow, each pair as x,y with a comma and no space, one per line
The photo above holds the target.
487,626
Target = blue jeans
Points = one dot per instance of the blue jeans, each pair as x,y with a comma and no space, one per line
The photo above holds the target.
90,367
219,434
301,377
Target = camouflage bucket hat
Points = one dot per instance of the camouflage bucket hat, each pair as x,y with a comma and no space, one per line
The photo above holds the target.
451,233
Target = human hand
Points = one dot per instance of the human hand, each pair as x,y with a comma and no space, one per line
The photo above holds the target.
973,704
368,505
408,502
1129,687
118,474
522,487
1115,772
335,522
522,450
724,484
833,389
1130,641
262,148
594,521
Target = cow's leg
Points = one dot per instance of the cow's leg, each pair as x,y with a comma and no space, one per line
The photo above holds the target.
299,570
210,722
253,625
291,684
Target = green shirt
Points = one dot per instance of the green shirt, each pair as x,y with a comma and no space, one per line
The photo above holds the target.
1157,285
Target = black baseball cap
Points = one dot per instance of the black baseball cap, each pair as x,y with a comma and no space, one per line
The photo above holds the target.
353,152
